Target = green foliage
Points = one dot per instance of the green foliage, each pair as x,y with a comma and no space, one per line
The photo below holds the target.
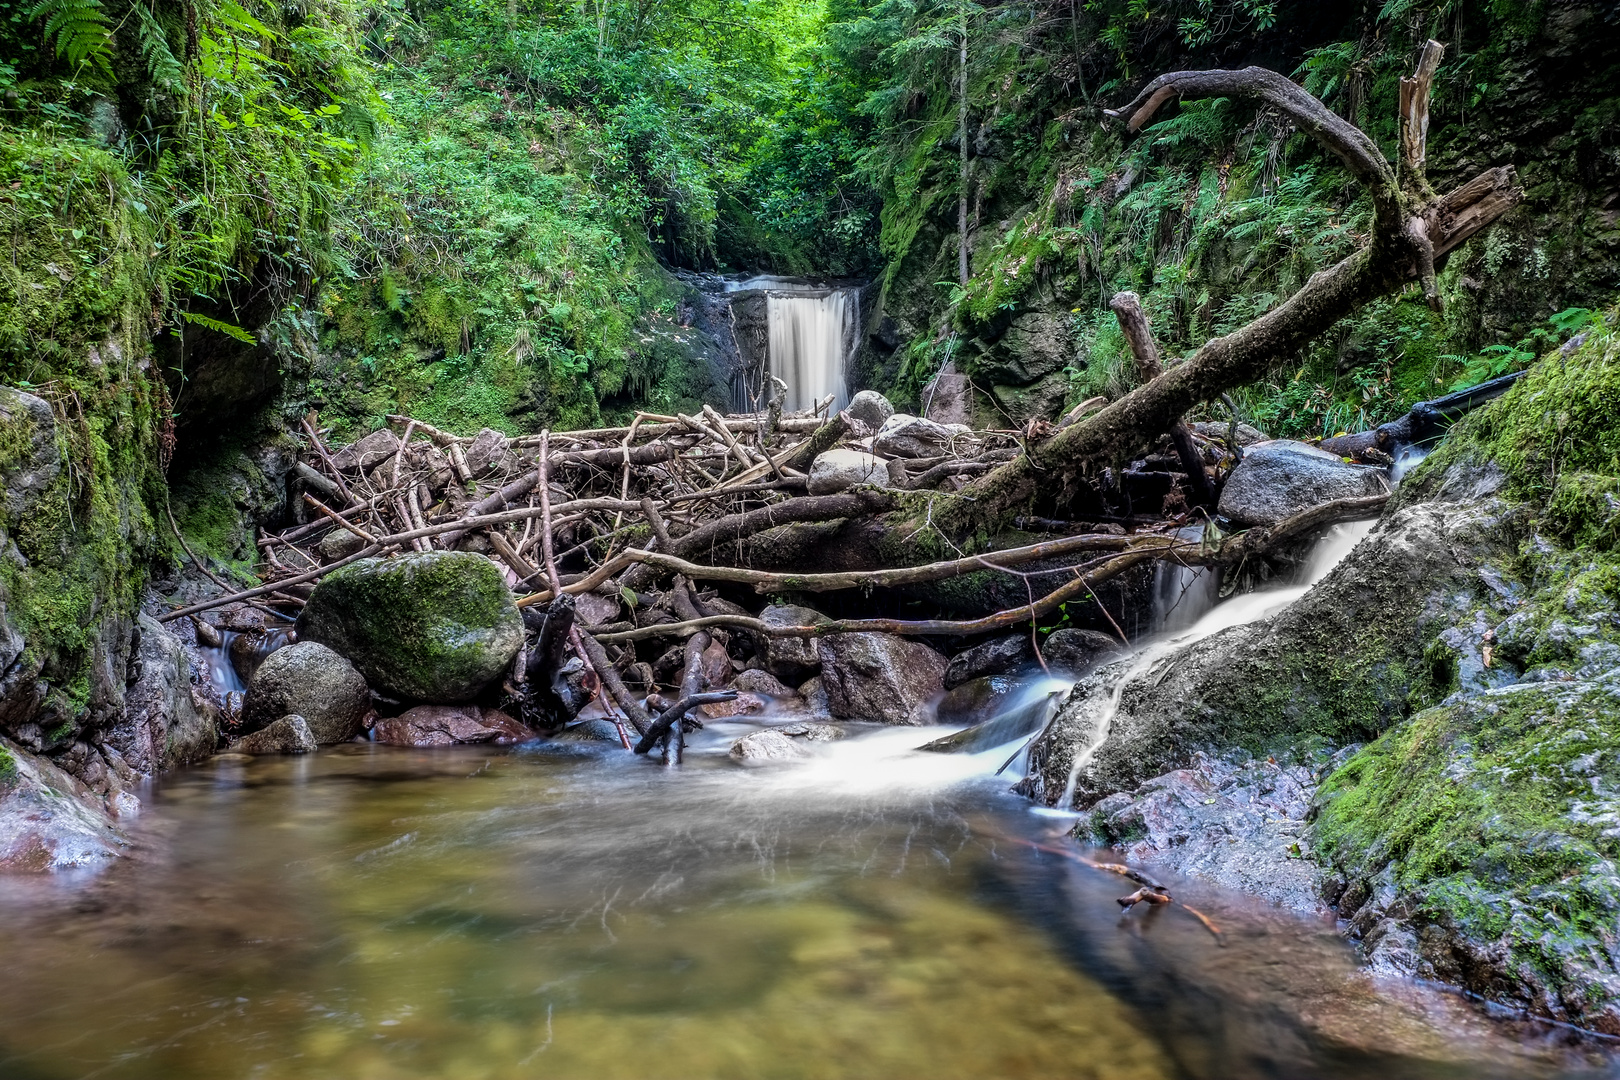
80,30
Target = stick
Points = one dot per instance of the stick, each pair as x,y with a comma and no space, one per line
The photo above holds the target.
660,726
326,459
348,526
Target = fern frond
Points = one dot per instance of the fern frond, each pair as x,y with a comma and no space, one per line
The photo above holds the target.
80,29
161,64
223,327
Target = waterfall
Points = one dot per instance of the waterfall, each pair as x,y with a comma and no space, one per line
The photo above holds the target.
1238,611
812,334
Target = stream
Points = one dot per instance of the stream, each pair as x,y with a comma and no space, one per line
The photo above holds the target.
566,910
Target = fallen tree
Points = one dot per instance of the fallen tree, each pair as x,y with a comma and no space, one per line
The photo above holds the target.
1412,231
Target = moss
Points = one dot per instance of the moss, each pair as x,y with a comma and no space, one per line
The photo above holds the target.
8,769
1495,814
431,627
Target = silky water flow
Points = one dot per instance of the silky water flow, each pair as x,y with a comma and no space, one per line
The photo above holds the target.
564,909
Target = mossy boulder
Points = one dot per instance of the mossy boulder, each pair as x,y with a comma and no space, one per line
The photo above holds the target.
435,626
1477,846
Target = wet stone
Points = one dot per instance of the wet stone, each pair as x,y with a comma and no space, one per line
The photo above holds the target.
447,725
289,735
764,747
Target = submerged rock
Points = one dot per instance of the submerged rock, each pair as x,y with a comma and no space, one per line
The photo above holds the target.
434,626
446,725
836,470
311,681
48,819
762,747
288,735
880,677
1281,478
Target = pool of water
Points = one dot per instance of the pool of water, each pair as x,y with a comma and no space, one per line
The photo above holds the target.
567,910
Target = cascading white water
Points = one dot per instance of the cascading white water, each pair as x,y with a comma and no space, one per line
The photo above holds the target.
1181,593
1238,611
812,330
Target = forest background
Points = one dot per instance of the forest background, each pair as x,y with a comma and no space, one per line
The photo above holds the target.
224,213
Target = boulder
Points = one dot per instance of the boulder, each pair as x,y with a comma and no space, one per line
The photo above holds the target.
1075,652
289,735
880,677
764,747
48,819
433,626
485,451
339,544
309,680
756,681
791,659
249,649
367,453
835,470
998,656
948,399
1280,478
1036,344
870,408
446,725
913,437
1040,400
741,705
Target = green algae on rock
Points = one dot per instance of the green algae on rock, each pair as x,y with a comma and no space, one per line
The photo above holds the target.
436,626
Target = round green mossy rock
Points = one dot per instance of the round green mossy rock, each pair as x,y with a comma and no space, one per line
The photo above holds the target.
435,626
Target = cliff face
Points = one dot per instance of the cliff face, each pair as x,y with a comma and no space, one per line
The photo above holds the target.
1220,210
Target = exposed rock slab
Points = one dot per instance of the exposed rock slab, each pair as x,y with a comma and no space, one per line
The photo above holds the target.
49,820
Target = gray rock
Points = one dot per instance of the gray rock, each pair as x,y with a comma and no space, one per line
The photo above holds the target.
445,725
367,453
288,735
1217,430
975,701
880,677
1075,652
486,450
912,437
836,470
1040,400
757,681
309,680
339,544
870,408
160,726
998,656
1281,478
812,732
434,626
48,819
764,747
948,399
791,659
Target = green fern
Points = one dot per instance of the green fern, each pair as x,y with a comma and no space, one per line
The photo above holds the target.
80,29
161,63
223,327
